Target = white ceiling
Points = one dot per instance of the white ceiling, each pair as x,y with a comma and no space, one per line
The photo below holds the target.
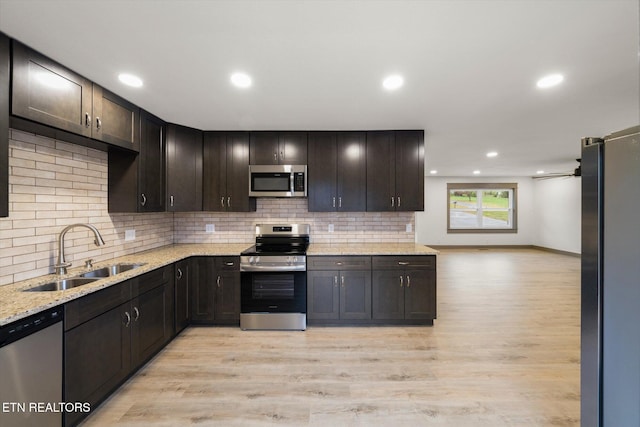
470,68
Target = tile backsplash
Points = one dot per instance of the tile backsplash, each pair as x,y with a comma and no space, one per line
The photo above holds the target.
53,184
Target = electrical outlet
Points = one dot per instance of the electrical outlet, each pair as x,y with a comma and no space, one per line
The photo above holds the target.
210,228
408,228
330,228
129,235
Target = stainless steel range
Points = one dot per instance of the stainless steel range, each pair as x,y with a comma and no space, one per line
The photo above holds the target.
274,278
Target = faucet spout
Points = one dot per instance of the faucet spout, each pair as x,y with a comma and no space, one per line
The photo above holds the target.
61,266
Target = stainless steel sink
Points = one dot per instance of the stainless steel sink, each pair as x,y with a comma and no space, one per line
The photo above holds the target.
61,285
111,270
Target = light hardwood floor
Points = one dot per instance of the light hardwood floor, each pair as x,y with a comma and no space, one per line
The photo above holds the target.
504,351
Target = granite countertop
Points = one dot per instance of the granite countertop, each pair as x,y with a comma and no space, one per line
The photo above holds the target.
16,304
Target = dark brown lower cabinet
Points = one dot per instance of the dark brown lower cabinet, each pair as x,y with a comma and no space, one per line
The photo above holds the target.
214,284
182,294
404,288
111,333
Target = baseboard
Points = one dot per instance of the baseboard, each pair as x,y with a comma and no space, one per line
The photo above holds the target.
487,247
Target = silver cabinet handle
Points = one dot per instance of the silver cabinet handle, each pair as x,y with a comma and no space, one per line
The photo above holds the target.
282,155
335,281
171,200
229,201
179,275
137,314
222,201
334,202
403,263
401,281
339,263
339,202
229,264
87,120
143,200
393,201
408,280
342,280
218,281
128,317
398,201
275,156
98,123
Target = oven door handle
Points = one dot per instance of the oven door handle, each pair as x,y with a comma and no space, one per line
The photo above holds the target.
272,268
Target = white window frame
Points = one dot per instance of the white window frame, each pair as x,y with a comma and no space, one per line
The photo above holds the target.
479,189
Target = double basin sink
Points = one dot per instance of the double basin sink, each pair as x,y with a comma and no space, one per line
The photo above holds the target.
84,278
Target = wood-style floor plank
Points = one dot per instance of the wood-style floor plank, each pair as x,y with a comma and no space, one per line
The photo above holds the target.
504,351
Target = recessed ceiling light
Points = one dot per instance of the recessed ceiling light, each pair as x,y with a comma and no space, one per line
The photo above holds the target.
241,80
492,154
433,172
550,81
540,172
393,82
130,80
476,172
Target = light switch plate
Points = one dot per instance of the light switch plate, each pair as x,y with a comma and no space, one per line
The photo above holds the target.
210,228
129,235
330,228
408,228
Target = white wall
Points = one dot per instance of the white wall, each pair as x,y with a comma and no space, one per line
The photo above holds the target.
548,214
558,213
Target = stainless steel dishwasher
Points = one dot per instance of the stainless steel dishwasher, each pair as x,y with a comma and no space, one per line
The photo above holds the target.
31,371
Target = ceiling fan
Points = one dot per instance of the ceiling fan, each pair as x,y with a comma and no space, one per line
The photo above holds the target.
576,172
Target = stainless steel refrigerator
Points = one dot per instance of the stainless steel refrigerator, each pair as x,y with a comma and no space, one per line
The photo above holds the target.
610,339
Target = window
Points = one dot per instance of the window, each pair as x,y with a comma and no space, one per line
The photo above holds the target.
481,208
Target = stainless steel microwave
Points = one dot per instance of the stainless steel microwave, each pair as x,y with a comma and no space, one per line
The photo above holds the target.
278,180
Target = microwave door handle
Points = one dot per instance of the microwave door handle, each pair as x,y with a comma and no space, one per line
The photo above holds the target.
291,187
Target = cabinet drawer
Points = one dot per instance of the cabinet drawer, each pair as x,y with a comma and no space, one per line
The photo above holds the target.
86,308
153,279
338,263
227,263
403,262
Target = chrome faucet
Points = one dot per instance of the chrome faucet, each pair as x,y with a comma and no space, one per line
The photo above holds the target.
61,266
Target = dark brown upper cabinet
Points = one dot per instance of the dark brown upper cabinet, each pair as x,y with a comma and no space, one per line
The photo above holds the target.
49,93
226,172
278,148
395,170
184,169
137,181
5,71
337,172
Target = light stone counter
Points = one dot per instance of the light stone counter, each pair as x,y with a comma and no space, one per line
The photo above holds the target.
16,304
369,249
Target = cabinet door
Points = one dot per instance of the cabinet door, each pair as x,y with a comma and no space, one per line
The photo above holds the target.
152,322
184,169
409,170
388,294
214,183
263,148
48,93
420,294
151,167
381,171
238,173
322,171
4,124
323,295
97,357
182,295
355,294
115,120
292,148
352,172
202,281
227,297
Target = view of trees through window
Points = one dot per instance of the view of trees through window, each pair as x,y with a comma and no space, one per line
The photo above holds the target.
473,207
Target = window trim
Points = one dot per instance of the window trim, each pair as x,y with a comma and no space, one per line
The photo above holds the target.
483,186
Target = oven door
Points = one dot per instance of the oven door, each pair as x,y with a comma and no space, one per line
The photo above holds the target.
273,292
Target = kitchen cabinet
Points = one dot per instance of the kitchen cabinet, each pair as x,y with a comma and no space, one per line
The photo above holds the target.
182,269
46,92
5,71
184,169
137,181
278,148
110,333
404,287
337,172
395,170
226,172
339,288
215,286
